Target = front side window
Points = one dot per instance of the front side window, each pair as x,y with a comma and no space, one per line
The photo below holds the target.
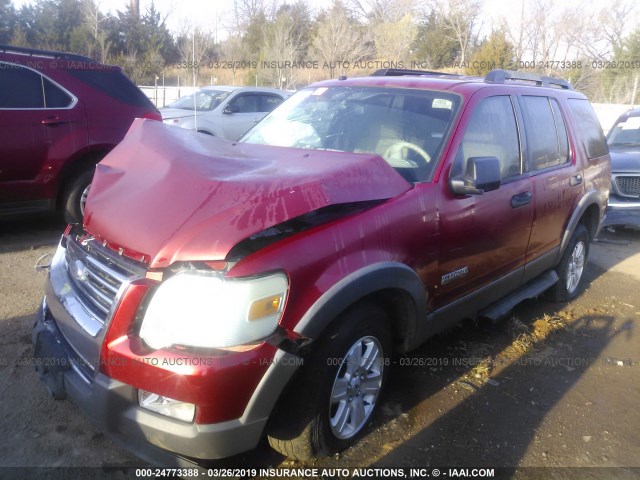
406,127
246,103
492,132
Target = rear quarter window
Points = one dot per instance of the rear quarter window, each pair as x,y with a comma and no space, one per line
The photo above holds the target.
589,128
115,84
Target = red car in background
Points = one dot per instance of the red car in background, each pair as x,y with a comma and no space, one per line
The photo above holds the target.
59,115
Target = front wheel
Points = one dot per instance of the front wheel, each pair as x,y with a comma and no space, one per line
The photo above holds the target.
328,406
571,266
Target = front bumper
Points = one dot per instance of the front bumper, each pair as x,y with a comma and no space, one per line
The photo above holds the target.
159,439
622,212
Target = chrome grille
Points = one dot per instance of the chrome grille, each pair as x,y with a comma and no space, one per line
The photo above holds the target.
98,272
629,186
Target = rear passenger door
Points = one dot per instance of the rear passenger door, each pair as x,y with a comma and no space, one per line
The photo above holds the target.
557,185
485,237
37,117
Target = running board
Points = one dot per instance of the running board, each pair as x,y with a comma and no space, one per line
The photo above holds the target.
532,289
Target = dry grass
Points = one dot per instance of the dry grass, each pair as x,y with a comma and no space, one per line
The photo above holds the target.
525,338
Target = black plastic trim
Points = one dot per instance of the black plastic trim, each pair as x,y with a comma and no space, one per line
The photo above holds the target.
364,282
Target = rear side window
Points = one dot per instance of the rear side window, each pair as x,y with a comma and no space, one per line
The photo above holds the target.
54,96
20,87
114,84
546,133
589,128
269,102
492,132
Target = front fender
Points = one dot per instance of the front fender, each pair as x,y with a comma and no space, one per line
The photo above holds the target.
363,283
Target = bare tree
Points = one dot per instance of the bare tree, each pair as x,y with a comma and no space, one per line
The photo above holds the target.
232,52
378,11
393,39
94,37
547,32
194,43
339,40
462,18
195,46
283,44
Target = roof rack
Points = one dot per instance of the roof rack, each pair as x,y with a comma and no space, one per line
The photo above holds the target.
44,53
501,76
401,72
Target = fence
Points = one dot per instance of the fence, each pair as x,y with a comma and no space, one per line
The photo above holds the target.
161,96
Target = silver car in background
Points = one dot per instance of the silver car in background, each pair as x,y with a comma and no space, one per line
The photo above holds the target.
224,111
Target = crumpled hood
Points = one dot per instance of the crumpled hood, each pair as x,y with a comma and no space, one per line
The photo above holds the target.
625,159
173,195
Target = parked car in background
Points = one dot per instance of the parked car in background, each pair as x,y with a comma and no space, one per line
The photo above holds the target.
60,114
226,112
624,146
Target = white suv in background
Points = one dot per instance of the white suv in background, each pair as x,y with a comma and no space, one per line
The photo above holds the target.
223,111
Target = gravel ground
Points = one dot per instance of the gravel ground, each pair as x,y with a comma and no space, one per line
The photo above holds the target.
554,385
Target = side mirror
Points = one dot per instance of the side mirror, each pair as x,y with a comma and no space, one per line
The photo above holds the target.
230,109
482,175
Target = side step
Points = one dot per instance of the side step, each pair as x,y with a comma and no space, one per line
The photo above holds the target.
532,289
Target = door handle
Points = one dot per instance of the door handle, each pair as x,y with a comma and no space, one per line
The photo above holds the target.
521,199
53,121
575,180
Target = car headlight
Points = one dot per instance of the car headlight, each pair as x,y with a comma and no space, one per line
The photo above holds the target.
203,309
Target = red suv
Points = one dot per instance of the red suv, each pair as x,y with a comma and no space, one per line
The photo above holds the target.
221,291
59,115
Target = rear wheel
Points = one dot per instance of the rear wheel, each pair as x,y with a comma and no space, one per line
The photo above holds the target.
327,408
571,267
75,197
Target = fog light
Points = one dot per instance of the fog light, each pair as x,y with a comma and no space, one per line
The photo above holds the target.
166,406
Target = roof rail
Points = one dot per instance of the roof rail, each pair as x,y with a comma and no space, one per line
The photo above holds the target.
44,53
401,72
501,76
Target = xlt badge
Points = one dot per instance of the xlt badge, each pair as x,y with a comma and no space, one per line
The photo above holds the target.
449,277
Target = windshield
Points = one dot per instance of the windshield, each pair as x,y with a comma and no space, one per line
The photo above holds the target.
625,132
205,100
406,127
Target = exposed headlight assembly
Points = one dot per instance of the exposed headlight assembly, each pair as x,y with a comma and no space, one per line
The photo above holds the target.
203,309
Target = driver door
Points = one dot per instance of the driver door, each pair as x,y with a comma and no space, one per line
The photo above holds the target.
485,236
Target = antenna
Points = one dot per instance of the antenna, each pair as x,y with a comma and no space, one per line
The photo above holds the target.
193,65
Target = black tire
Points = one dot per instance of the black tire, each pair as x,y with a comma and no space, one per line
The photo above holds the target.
571,266
73,200
301,427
